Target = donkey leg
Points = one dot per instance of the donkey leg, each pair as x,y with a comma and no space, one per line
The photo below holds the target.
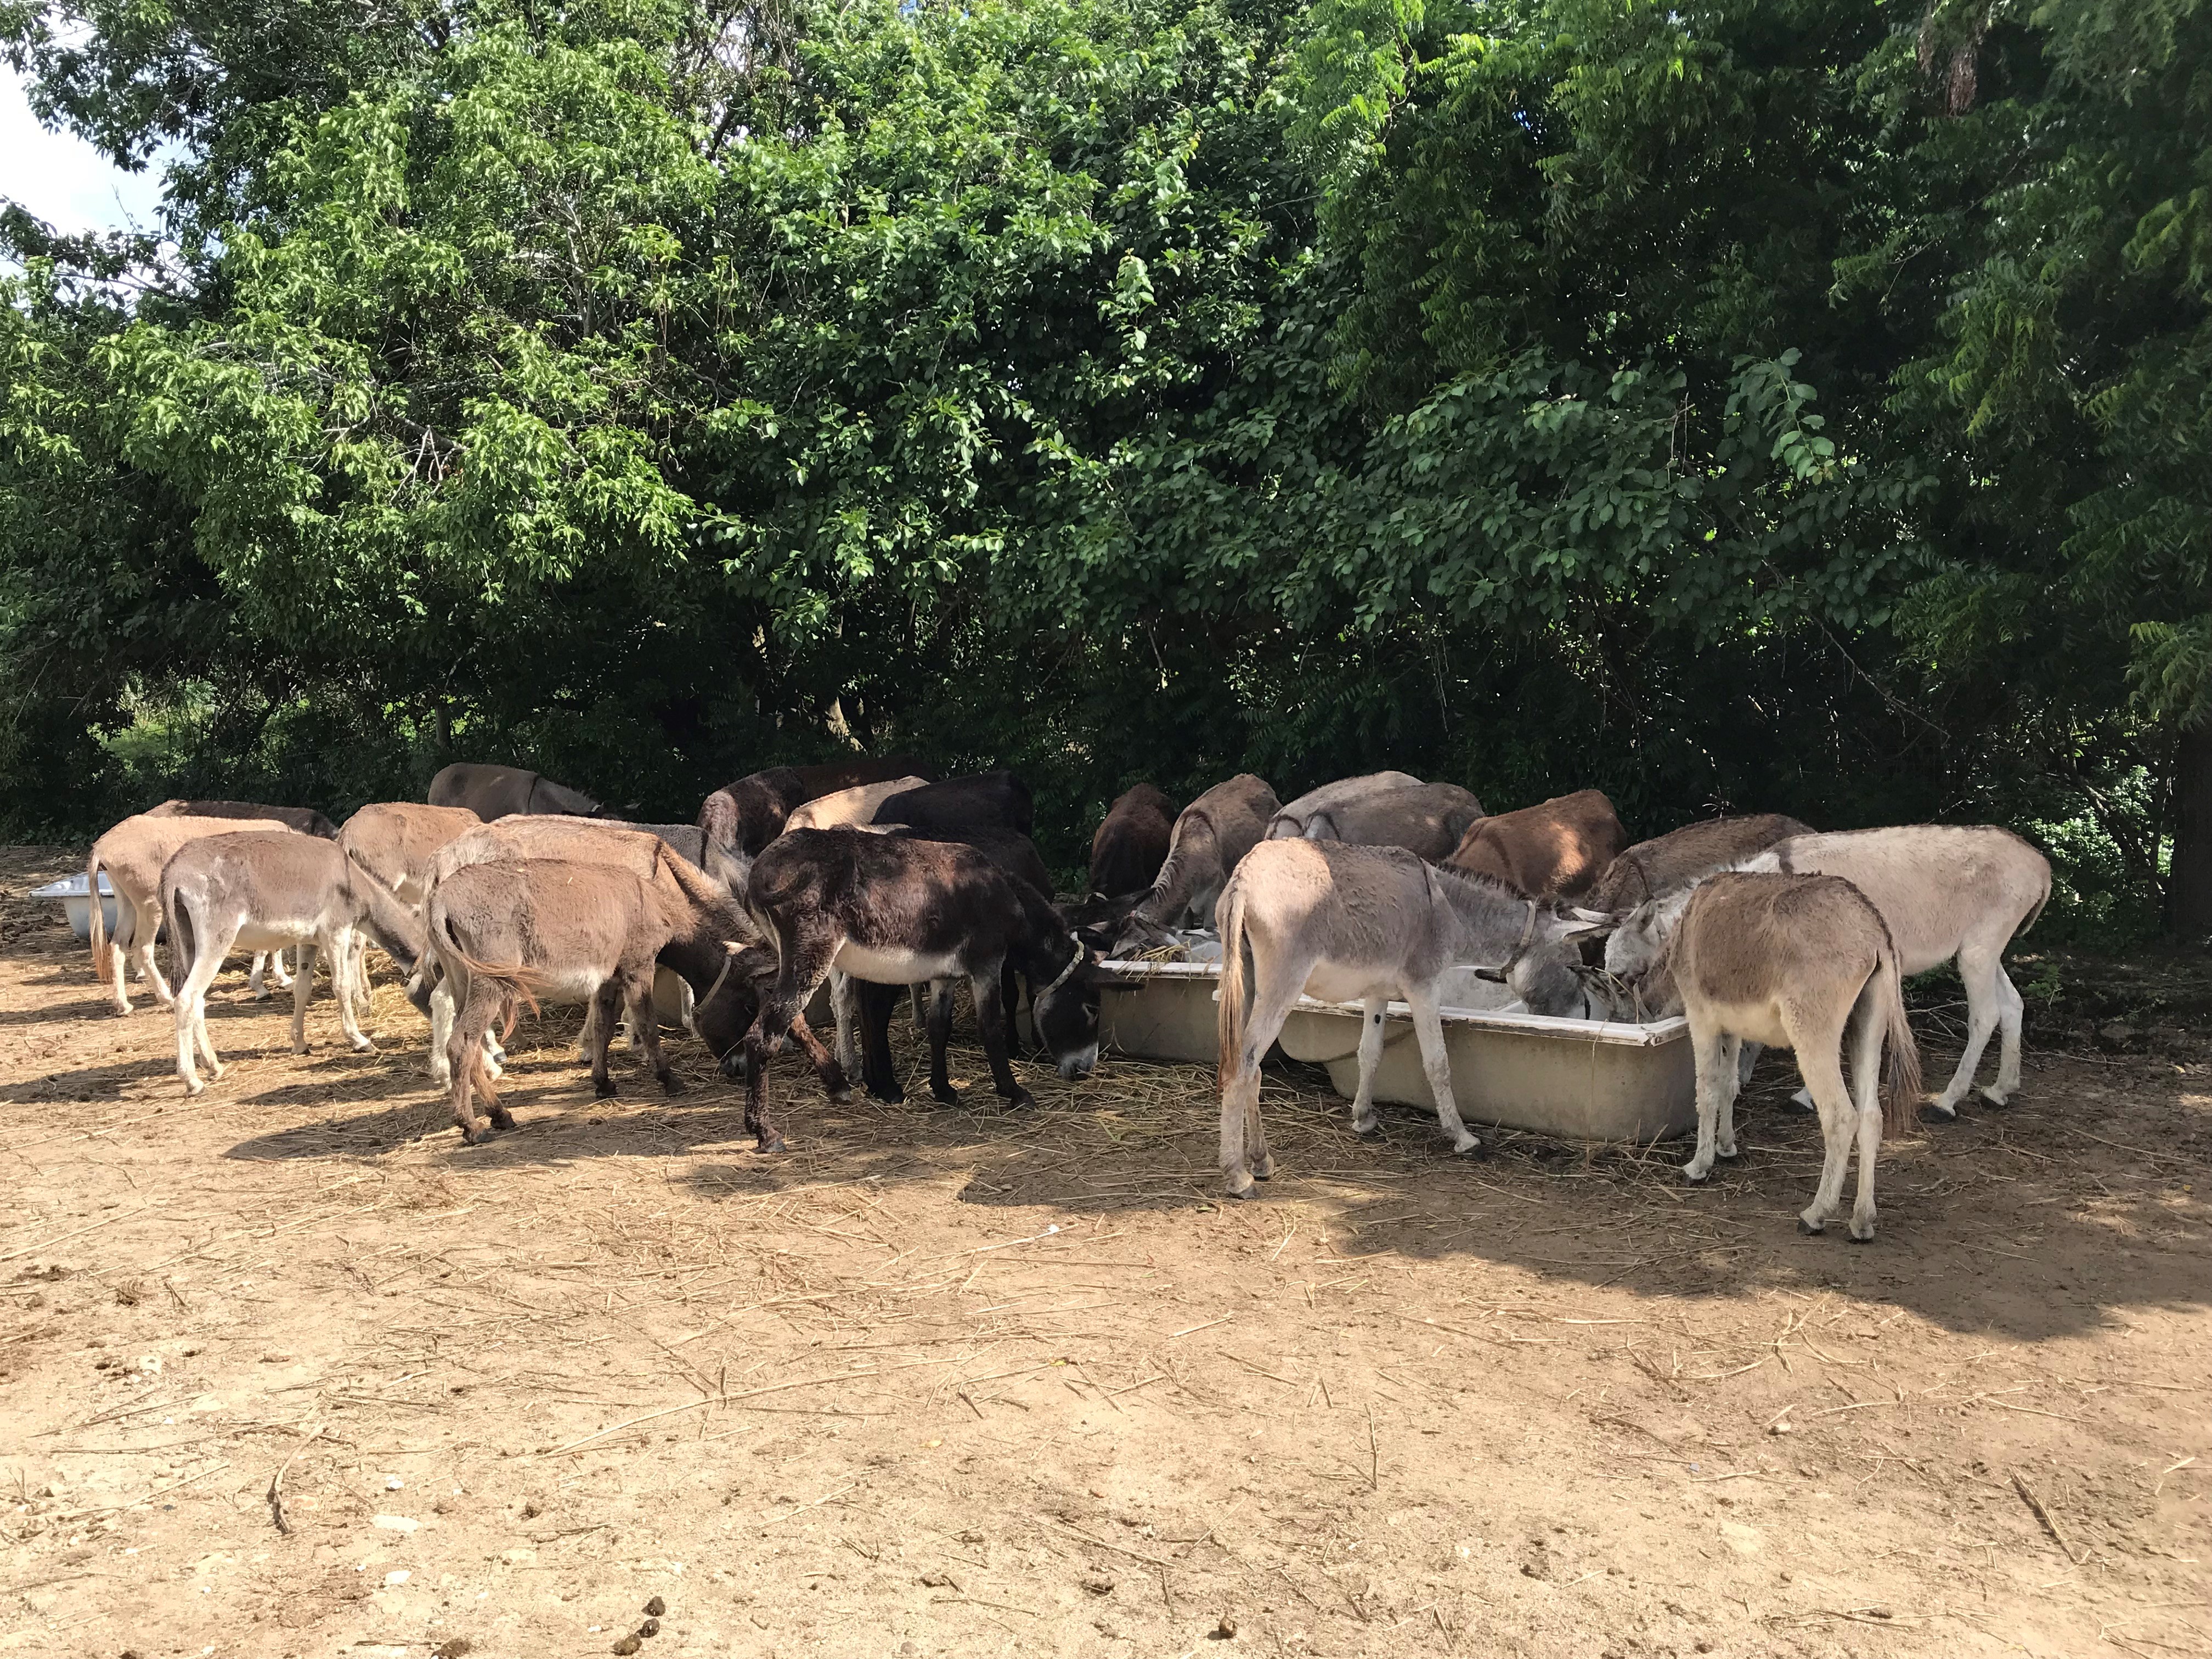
441,1029
1371,1057
1275,991
997,1033
1732,1070
2010,1010
117,953
191,998
645,1028
256,986
142,946
850,1044
872,1015
938,1017
303,991
1819,1062
1866,1033
766,1138
606,1008
1709,1051
1429,1031
834,1082
1978,971
345,947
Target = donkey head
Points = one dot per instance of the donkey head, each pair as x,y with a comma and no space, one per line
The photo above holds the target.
1547,970
1065,1013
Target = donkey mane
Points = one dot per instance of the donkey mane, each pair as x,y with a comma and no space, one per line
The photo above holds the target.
1491,886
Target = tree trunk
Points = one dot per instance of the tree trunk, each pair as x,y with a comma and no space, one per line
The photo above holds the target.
2189,882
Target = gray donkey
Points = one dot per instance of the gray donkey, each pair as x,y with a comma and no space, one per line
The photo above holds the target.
1354,924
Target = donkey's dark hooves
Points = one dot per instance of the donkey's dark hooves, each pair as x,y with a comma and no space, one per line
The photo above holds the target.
1476,1152
671,1084
842,1096
947,1095
1689,1180
1933,1113
888,1096
1736,1157
1020,1101
1808,1229
770,1144
1992,1101
1854,1238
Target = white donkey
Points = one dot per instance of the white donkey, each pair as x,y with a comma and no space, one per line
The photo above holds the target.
1345,923
1945,891
1792,961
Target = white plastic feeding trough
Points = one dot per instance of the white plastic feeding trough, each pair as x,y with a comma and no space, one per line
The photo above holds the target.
75,899
1581,1079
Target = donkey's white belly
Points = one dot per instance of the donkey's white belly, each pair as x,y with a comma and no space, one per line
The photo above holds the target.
1346,982
889,967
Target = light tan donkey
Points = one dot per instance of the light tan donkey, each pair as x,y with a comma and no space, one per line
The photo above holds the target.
263,892
1345,923
1794,962
132,854
855,806
1945,891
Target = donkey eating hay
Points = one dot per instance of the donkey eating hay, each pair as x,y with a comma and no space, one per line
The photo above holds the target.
1354,924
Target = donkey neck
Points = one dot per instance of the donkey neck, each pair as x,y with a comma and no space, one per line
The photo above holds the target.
1488,920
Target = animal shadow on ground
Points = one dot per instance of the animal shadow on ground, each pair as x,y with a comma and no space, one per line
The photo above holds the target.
2026,1222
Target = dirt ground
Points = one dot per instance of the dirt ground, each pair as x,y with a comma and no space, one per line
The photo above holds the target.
960,1382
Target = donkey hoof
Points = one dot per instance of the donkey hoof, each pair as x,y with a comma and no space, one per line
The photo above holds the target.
670,1084
1696,1176
1727,1154
1240,1185
947,1095
1020,1101
1994,1098
1471,1147
1857,1238
1367,1126
604,1091
1811,1229
1264,1168
1932,1113
769,1143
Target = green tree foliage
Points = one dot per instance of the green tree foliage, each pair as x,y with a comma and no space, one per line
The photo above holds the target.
1687,400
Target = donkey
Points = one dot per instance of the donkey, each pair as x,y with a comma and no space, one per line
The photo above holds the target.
132,854
588,932
1555,850
1211,836
856,805
979,801
750,812
579,840
1651,869
1353,924
1427,819
395,841
266,890
305,819
1792,961
1945,891
1131,842
493,791
897,911
1291,821
721,864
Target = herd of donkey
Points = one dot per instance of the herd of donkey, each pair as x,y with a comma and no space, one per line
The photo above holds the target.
507,889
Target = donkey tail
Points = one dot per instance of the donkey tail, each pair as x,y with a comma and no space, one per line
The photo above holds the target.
100,966
1234,992
1900,1055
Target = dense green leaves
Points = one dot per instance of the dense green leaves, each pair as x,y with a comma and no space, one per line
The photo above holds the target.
1778,403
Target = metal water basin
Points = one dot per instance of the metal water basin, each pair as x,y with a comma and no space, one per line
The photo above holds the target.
1580,1080
76,900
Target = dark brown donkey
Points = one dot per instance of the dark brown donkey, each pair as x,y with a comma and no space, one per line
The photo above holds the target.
1131,843
897,912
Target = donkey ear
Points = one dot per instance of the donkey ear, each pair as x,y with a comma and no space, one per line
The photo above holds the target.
1595,917
1593,930
1494,975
